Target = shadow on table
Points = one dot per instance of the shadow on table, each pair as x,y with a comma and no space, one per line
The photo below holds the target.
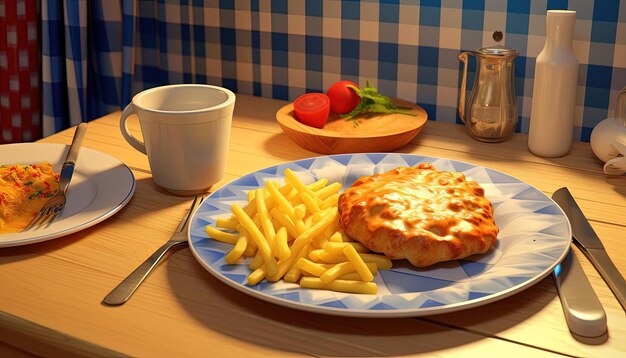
225,310
617,183
433,137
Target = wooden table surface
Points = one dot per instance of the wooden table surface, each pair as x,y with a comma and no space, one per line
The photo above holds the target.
51,292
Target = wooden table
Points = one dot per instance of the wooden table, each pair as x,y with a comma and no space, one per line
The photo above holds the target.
51,292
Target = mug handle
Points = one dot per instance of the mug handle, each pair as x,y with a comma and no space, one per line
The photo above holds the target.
136,143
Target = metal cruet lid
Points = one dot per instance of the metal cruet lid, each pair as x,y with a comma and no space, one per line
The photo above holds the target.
497,51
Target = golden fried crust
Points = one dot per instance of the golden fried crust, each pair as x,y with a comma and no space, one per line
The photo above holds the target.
420,214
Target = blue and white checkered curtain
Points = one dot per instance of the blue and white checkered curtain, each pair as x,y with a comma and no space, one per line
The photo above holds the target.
98,53
81,61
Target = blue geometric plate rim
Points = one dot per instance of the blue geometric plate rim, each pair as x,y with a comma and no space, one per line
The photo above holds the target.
534,237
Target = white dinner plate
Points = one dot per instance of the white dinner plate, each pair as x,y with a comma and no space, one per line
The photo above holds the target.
101,185
534,237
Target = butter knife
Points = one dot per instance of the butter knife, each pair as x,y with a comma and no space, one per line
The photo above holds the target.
589,243
584,314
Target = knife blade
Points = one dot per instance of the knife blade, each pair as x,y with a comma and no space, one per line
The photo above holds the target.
589,243
584,314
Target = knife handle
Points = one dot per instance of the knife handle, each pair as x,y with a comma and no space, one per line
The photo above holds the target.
79,134
613,278
72,156
583,312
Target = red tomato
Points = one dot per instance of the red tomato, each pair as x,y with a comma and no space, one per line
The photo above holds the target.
342,98
312,109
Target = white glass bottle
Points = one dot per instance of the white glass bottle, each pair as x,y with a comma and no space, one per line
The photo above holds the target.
554,91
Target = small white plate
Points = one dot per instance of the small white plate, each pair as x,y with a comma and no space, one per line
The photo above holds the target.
100,187
534,237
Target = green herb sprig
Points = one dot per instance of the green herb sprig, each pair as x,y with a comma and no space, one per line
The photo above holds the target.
373,102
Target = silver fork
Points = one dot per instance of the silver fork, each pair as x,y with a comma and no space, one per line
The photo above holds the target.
53,207
120,294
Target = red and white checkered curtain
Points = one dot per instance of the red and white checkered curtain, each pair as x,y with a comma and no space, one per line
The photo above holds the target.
20,98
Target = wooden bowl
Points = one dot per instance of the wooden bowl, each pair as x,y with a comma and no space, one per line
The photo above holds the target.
374,133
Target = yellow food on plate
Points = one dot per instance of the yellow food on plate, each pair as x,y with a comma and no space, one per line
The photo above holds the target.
290,230
419,214
24,189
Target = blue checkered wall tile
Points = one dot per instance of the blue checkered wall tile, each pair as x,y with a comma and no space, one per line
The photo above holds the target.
409,50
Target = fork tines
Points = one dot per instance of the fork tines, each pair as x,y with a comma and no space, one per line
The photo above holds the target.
48,213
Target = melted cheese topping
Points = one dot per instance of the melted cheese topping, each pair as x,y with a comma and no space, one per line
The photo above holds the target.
23,191
421,202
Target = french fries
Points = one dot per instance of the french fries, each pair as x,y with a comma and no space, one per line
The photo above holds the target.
291,232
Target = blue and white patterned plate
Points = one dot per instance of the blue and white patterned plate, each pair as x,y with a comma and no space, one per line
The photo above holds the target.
534,237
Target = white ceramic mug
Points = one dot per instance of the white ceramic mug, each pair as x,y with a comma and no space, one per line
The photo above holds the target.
186,131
